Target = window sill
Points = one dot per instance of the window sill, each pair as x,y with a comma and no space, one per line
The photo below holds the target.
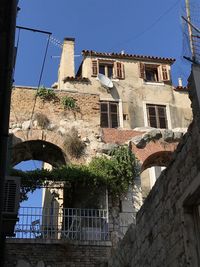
154,83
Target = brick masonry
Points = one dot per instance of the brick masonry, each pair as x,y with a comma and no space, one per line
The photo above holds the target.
60,254
165,233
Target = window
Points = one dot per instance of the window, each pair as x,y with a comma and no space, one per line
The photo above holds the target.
156,115
154,72
106,69
151,74
111,69
109,115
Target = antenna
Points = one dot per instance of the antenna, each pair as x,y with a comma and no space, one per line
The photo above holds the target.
56,42
192,31
105,81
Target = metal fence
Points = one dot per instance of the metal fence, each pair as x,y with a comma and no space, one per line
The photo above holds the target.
68,223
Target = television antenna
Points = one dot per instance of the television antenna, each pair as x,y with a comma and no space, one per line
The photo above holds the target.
192,31
105,81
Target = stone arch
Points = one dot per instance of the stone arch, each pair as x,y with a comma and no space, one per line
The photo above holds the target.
161,158
38,150
154,153
37,134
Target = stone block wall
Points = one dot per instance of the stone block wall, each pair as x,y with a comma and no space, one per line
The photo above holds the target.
52,254
27,110
167,226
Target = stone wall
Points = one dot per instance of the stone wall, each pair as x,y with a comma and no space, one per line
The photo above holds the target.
27,110
166,231
52,254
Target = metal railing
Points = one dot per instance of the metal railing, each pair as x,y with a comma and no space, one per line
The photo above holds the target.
68,223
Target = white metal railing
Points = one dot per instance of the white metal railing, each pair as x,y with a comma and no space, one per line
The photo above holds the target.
68,223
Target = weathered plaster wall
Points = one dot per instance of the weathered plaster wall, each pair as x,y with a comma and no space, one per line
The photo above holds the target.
135,93
165,233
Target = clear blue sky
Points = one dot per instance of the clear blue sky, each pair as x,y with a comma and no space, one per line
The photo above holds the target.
139,27
35,198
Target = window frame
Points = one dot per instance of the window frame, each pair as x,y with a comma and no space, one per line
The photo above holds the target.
106,65
118,69
162,75
157,116
169,122
109,113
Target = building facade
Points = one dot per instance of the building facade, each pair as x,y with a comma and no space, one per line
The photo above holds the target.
120,99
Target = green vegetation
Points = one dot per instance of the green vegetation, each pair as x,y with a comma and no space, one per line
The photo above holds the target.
73,144
117,173
69,102
46,94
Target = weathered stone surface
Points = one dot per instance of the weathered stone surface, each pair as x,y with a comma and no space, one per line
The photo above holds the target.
106,148
166,218
178,135
26,125
168,135
155,134
139,141
61,130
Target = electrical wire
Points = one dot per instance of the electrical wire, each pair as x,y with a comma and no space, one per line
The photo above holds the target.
151,25
16,50
39,82
17,120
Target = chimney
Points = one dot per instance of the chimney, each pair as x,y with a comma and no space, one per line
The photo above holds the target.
180,83
67,67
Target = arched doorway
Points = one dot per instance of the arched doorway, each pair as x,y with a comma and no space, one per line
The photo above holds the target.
152,168
38,150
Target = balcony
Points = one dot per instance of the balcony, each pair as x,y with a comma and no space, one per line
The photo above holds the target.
66,223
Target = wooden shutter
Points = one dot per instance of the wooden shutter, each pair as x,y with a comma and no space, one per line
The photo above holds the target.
142,70
165,73
119,70
94,67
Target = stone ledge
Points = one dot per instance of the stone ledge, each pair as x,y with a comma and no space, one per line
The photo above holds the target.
59,242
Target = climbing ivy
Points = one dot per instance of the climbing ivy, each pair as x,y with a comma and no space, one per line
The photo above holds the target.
116,172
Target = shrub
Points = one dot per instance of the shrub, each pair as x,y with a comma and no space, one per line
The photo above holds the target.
42,120
73,144
69,102
46,94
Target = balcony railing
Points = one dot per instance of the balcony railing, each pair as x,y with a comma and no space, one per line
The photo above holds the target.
68,223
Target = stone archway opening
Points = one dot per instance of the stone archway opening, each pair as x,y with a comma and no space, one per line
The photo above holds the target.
161,158
38,150
42,202
152,168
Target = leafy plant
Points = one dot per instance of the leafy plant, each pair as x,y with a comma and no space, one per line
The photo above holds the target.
69,102
46,94
116,173
73,144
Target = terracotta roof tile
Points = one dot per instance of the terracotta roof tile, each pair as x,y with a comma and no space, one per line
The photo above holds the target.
127,56
75,79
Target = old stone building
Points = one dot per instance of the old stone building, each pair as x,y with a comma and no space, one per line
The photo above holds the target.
139,106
